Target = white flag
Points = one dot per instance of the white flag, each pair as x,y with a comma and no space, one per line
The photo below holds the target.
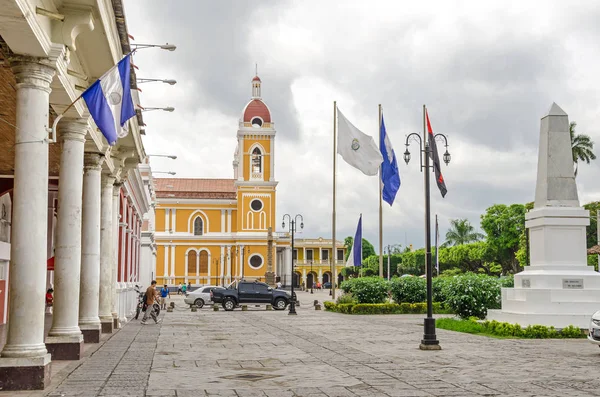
350,261
357,148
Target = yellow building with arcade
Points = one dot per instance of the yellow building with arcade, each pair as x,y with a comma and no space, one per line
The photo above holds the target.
215,231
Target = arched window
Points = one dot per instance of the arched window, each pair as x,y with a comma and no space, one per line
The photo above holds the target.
198,226
203,262
256,161
191,263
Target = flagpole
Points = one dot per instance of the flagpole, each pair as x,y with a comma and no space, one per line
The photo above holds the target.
333,242
380,205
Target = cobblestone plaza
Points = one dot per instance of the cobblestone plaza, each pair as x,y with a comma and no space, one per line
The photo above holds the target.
268,353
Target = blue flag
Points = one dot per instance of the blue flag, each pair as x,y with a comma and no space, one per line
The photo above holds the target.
390,176
109,101
355,257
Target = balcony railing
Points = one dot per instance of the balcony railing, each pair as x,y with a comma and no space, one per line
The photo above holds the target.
256,176
322,262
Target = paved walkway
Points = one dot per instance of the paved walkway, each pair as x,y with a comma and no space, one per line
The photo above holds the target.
268,353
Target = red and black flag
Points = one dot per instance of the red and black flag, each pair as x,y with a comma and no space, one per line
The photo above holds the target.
435,158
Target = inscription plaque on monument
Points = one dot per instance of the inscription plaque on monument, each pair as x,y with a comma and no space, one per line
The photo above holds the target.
572,283
525,283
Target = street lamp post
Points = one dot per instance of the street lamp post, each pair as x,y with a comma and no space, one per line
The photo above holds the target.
167,46
429,341
171,156
166,109
292,228
164,172
166,81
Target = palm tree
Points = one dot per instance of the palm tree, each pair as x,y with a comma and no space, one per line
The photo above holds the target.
582,146
461,232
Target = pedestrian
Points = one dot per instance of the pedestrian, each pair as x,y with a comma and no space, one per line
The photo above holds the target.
279,285
151,295
164,293
189,288
49,300
184,289
179,289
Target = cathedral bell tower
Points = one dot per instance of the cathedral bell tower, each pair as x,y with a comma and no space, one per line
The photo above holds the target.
254,165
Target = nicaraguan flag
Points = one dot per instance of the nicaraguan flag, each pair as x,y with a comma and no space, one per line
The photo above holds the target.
390,176
357,148
355,257
109,101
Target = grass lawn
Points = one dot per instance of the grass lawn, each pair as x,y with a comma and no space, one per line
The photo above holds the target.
505,330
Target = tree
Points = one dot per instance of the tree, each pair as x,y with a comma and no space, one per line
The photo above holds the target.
504,226
367,247
461,232
582,147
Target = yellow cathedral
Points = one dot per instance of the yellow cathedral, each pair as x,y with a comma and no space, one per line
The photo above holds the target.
216,231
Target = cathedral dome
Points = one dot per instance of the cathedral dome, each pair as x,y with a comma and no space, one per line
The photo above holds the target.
256,108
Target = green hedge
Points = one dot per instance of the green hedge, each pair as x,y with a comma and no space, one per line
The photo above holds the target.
367,289
409,289
384,308
507,330
466,294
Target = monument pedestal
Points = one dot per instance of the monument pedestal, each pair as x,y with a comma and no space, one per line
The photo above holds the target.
558,289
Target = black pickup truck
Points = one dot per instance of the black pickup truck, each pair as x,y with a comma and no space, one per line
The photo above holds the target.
250,292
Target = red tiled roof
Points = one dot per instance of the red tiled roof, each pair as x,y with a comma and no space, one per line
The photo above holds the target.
195,188
256,78
256,107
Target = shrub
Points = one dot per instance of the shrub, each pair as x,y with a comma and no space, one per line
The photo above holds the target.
507,281
369,290
346,298
472,294
439,289
409,289
536,332
571,331
347,285
384,308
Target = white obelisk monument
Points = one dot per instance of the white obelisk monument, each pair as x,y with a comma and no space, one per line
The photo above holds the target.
558,288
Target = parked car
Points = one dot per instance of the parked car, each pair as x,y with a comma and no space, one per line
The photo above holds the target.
201,296
251,292
594,334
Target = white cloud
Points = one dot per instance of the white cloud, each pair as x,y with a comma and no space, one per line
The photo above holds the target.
488,72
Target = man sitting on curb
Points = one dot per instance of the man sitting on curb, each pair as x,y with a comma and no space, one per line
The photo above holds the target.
151,295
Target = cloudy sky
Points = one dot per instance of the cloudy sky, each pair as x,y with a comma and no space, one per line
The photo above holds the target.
487,71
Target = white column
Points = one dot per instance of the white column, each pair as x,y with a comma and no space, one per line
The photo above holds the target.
173,261
287,265
228,264
320,275
272,158
222,262
27,280
222,221
67,255
167,218
210,265
166,265
122,263
115,254
89,322
239,269
185,268
174,219
229,221
106,242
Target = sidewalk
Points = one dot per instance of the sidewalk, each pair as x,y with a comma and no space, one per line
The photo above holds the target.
316,353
